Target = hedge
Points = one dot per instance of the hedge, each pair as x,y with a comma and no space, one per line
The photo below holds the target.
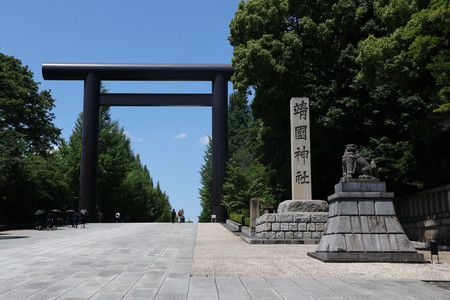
238,218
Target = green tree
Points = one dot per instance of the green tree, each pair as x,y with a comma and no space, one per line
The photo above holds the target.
161,209
406,73
239,121
302,48
205,190
123,184
138,187
247,179
115,160
288,48
28,168
414,49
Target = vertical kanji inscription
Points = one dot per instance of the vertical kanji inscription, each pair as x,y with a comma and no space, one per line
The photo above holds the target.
300,149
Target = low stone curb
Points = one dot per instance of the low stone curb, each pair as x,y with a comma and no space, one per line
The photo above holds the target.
254,240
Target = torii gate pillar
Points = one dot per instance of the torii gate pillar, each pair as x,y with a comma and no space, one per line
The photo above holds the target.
219,143
89,144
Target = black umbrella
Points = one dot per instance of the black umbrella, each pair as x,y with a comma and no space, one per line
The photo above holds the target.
56,210
40,212
84,212
70,211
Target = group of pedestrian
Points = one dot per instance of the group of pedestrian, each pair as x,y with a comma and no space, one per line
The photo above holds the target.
74,218
46,220
52,219
180,215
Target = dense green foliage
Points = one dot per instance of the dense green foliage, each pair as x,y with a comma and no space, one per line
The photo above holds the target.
374,72
206,186
246,178
29,176
36,175
407,74
123,184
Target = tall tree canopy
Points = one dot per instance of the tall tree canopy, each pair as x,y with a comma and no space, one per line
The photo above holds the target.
297,48
247,179
123,183
407,74
27,134
35,174
205,191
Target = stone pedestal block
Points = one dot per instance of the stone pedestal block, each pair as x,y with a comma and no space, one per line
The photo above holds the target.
362,226
300,220
303,205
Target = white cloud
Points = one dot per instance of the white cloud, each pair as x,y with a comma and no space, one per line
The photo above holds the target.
205,139
180,136
132,137
54,149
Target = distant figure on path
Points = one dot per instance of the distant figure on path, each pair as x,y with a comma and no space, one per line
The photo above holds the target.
117,217
180,213
38,224
173,215
83,220
55,221
50,221
69,220
75,220
100,216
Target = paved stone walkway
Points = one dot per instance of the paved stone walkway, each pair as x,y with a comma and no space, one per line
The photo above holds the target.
153,261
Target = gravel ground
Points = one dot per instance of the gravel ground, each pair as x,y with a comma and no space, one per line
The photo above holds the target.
220,253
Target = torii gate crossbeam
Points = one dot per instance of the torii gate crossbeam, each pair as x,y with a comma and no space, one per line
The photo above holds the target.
92,74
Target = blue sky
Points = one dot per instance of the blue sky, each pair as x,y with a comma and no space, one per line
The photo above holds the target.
169,140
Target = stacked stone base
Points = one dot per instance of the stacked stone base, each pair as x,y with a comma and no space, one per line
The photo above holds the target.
362,227
368,257
307,227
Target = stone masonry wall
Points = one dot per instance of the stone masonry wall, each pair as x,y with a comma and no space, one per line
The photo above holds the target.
300,225
425,215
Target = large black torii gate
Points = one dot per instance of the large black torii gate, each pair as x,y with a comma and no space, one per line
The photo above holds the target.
92,74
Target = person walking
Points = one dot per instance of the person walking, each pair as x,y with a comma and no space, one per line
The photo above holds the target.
75,220
180,213
117,217
69,220
173,215
83,220
38,224
49,221
100,216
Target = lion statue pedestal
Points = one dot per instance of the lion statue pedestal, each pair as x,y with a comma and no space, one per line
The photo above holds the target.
362,225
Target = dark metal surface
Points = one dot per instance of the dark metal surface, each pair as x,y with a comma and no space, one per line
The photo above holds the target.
158,72
219,142
156,99
89,148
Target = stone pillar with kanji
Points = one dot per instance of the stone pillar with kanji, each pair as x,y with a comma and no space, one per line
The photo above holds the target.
300,149
299,219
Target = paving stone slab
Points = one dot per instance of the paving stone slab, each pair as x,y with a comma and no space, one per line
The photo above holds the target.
231,288
157,267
